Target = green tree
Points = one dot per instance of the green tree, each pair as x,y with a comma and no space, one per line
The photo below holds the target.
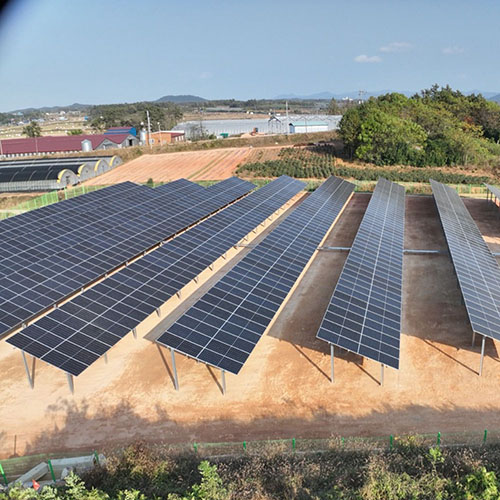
75,131
388,140
32,130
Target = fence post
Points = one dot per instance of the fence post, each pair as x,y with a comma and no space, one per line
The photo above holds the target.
293,444
195,446
391,440
4,476
485,436
51,471
438,439
245,445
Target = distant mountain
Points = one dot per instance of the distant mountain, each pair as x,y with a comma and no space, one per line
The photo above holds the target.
354,94
181,99
54,109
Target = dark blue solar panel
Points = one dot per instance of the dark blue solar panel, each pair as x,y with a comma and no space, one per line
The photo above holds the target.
476,268
364,313
123,300
42,274
223,327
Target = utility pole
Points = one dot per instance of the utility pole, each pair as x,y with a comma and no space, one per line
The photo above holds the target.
149,130
287,120
159,132
361,93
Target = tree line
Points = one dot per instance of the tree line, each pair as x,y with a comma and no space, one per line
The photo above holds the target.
438,127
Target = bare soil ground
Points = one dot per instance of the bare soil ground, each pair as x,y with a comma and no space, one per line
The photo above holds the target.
217,164
284,388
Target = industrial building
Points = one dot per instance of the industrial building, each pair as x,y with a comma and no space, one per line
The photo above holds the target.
65,144
305,127
47,174
166,137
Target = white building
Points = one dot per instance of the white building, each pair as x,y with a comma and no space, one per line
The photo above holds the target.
305,127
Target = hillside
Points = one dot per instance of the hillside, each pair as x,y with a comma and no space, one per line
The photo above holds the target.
178,99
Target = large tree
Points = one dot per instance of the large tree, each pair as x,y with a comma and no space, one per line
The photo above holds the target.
32,130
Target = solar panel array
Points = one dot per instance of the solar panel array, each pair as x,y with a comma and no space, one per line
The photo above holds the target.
38,269
80,331
364,313
476,268
494,190
222,328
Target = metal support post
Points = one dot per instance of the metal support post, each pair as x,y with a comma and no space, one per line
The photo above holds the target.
158,312
482,356
106,357
223,373
332,356
473,338
70,382
381,374
30,378
134,333
174,369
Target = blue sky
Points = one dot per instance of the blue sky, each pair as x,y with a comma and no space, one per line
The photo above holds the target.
56,52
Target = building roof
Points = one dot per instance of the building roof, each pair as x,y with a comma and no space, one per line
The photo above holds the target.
121,130
55,144
309,124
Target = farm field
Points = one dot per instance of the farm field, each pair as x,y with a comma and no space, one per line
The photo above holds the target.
284,388
217,164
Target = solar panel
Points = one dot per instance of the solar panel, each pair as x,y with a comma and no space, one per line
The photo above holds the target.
364,313
172,186
222,328
83,329
476,268
494,190
41,276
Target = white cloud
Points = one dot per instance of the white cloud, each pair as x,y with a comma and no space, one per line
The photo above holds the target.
363,58
449,51
397,47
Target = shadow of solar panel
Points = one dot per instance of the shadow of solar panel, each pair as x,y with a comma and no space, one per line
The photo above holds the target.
92,249
224,325
132,294
476,268
364,313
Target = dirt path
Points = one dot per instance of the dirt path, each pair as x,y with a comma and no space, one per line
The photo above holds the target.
216,164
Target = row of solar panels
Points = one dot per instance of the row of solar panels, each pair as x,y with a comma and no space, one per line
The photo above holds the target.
223,326
53,173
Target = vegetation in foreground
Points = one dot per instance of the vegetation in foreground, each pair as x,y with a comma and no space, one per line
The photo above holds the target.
320,162
409,471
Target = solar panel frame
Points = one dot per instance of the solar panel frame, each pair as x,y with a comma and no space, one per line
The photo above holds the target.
223,327
493,190
364,312
98,308
475,266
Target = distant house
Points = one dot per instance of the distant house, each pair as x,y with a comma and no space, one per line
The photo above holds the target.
166,137
65,144
305,127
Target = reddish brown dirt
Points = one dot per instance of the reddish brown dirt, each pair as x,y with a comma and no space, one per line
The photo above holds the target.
217,164
284,389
